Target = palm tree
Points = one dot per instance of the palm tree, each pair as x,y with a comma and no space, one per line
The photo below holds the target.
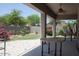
70,29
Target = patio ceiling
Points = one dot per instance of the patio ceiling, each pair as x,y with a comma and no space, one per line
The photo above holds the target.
69,8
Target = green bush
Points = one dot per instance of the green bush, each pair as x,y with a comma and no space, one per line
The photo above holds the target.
49,33
61,32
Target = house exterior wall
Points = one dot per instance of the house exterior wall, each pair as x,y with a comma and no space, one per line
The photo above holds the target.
35,29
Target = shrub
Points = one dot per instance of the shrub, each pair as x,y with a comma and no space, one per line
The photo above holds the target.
61,32
4,33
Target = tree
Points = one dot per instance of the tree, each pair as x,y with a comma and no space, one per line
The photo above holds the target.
16,19
13,18
33,20
6,19
1,20
69,28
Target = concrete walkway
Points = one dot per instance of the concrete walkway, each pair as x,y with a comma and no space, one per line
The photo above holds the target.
18,47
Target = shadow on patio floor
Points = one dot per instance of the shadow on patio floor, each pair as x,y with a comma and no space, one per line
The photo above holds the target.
68,49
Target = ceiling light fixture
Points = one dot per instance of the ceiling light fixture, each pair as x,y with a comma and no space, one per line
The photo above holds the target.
60,10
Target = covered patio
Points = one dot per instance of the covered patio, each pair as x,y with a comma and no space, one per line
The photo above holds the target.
53,45
56,46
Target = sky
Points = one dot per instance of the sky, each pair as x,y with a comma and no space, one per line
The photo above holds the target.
6,8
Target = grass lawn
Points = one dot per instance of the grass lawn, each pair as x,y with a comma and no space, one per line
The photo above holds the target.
25,37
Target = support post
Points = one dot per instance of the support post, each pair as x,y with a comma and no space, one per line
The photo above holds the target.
43,29
43,25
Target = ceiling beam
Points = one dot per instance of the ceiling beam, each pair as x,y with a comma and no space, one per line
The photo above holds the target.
67,17
45,9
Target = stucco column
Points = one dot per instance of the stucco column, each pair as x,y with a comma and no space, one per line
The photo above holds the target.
43,29
43,25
